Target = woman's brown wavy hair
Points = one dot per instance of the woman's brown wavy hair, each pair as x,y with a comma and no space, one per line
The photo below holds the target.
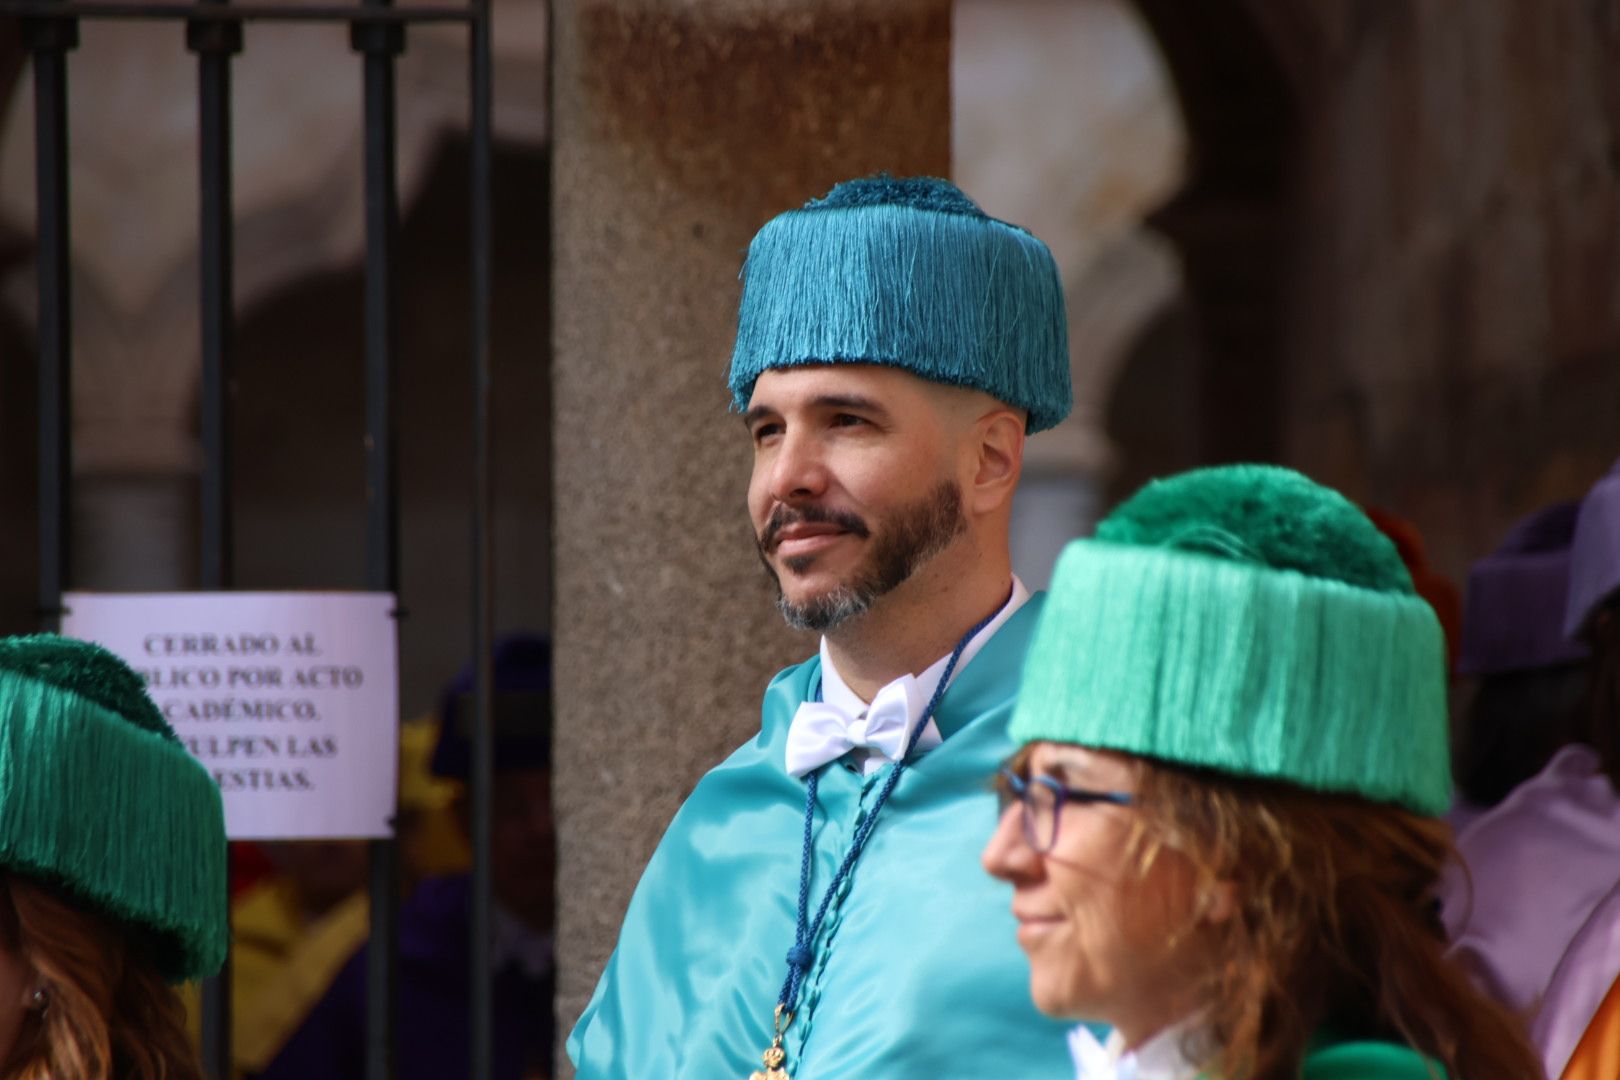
1335,929
110,1015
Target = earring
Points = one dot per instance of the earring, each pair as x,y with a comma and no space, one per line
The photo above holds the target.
41,1000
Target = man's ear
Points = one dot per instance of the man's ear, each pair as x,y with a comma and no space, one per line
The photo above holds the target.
998,460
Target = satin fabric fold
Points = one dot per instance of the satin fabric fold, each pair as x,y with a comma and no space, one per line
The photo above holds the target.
917,972
1531,872
1570,1013
1597,1055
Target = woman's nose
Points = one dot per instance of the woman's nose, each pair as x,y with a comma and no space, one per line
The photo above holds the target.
1008,855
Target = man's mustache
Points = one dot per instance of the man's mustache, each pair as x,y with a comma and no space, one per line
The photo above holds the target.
784,516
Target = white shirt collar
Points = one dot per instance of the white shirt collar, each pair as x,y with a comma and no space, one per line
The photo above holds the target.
836,692
1160,1058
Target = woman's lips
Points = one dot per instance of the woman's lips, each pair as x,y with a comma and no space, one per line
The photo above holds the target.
1033,928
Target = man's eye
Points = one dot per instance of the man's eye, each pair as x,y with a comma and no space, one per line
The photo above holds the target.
848,420
766,431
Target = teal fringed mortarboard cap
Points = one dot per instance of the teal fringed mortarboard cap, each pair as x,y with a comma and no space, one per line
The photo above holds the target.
99,798
1248,620
908,273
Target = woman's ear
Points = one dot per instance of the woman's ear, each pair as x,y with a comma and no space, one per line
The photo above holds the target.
1218,903
31,991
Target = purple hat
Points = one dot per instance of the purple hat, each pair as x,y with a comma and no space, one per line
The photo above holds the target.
1513,618
521,710
1594,557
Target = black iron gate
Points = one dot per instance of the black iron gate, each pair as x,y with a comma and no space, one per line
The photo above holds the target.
213,31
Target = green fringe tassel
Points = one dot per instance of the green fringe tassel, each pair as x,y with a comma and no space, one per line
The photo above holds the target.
110,809
1247,619
1206,661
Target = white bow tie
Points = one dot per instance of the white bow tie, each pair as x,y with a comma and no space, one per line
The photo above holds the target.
821,732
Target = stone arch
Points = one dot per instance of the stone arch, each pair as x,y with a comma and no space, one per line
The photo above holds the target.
299,475
1233,222
1065,122
1178,290
297,202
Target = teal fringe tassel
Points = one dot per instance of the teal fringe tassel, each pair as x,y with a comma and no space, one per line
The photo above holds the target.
917,192
101,805
923,284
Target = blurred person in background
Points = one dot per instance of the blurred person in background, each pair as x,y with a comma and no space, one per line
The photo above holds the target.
1223,829
1536,867
295,928
1592,616
112,870
1528,675
435,922
1440,591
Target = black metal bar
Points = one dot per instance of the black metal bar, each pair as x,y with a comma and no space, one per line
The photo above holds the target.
215,42
483,613
49,41
382,989
206,11
380,43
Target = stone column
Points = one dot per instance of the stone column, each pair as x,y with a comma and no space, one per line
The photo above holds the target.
679,129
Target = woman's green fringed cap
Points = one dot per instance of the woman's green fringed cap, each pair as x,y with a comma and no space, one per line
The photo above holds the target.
908,273
99,798
1247,620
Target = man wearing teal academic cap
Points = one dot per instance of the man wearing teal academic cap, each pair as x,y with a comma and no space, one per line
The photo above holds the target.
816,910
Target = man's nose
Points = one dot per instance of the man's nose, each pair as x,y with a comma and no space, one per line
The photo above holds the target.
799,471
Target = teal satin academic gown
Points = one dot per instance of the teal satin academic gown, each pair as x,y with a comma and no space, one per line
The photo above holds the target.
917,971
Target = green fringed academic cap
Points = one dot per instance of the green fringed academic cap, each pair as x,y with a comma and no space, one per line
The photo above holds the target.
98,798
1248,620
912,274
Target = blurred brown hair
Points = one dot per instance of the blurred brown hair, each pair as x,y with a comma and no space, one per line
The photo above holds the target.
1336,929
110,1016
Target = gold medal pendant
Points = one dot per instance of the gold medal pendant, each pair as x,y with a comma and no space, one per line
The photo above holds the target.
774,1054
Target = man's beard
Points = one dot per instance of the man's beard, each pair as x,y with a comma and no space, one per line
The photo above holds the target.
912,536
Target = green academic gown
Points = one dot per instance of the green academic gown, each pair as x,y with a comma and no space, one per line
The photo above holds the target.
917,972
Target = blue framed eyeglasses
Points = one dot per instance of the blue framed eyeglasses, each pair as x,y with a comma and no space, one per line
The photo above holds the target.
1042,799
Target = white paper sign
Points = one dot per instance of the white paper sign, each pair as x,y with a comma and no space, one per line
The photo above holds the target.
291,700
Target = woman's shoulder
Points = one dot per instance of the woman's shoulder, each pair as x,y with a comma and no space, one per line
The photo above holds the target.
1369,1060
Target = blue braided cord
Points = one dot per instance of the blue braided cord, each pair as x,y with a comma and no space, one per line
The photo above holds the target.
805,932
799,956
